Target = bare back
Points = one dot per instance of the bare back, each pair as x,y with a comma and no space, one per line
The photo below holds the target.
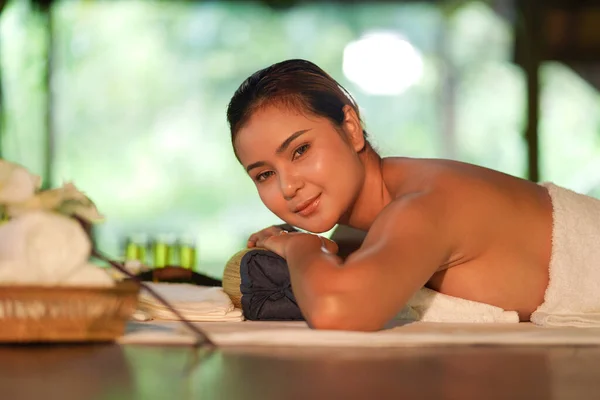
502,226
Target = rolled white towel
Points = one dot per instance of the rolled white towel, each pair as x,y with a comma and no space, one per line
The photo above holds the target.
47,249
430,306
89,275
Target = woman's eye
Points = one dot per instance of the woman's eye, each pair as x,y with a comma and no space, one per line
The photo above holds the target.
263,175
301,150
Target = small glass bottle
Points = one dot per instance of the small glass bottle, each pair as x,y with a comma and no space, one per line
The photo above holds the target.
136,249
163,251
187,252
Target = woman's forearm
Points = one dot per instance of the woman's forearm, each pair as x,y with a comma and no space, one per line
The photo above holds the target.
331,295
315,279
305,253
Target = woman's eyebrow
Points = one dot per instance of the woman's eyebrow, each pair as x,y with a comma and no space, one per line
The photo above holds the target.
255,165
286,143
283,147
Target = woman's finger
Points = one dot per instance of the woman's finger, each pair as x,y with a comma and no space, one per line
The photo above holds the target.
274,230
261,241
257,239
252,240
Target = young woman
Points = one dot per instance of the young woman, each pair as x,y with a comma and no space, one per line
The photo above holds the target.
460,229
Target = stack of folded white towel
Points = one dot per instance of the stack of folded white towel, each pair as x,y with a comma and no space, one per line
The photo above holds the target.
194,303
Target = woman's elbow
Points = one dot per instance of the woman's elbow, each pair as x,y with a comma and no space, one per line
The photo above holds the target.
332,313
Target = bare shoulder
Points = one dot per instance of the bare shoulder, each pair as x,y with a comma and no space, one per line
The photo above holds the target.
417,223
410,208
457,182
425,194
462,201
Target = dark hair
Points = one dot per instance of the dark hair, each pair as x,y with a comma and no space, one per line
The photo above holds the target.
293,83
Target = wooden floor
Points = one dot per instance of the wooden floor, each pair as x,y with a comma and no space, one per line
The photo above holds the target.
110,372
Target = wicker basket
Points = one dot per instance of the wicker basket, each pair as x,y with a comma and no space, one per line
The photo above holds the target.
65,314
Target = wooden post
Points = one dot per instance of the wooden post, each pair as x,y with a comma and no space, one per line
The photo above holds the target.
531,26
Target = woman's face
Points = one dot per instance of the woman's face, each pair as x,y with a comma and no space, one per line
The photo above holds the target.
305,171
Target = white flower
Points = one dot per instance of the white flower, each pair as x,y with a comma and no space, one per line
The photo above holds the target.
17,184
66,200
76,203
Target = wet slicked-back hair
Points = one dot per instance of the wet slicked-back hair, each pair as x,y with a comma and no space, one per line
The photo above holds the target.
298,84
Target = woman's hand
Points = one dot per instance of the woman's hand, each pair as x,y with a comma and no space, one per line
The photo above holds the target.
278,243
257,239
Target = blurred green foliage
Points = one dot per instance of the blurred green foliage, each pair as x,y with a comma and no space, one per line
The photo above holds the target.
140,88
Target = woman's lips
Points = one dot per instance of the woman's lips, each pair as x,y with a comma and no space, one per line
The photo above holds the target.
309,207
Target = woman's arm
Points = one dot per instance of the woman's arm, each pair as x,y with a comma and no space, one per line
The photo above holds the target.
403,249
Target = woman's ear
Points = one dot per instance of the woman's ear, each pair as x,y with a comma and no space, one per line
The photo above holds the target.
353,129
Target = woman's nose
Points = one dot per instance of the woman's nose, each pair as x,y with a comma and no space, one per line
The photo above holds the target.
290,184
